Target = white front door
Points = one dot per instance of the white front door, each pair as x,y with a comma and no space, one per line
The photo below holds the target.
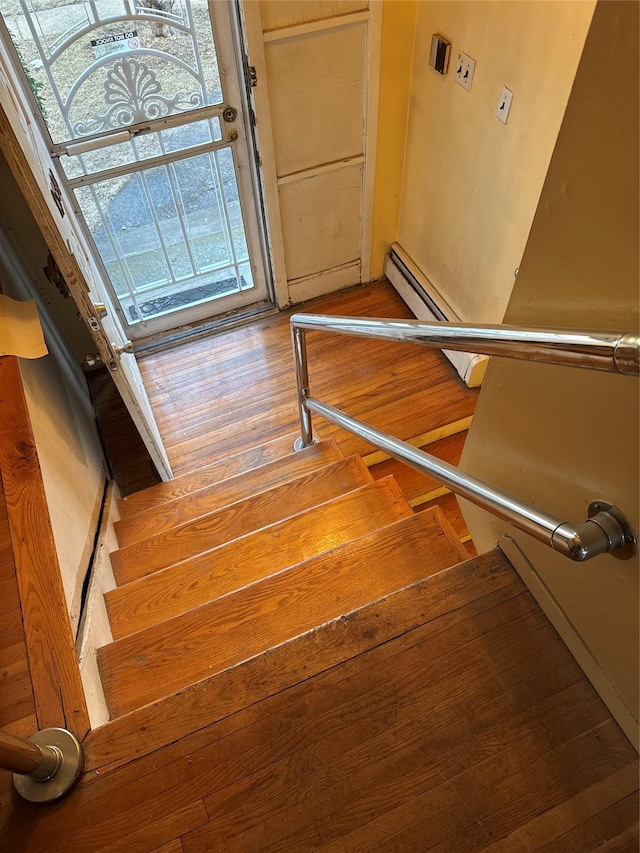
141,107
27,154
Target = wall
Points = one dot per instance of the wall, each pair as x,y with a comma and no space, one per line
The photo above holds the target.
62,419
72,467
561,437
471,184
396,54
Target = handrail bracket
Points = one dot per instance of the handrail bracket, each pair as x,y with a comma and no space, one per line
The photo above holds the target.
59,769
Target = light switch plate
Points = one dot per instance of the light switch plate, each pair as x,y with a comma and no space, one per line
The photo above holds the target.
504,104
465,69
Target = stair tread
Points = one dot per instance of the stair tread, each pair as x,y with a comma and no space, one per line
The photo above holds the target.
481,583
166,657
188,584
208,531
222,493
201,477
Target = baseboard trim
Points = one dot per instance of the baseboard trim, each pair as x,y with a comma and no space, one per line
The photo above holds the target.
322,283
427,304
623,715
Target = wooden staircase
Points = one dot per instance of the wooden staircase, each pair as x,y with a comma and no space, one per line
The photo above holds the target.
225,564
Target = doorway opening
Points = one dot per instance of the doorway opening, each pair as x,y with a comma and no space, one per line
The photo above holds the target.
142,102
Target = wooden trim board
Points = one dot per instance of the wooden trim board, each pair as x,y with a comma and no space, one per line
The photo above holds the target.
55,675
422,440
337,22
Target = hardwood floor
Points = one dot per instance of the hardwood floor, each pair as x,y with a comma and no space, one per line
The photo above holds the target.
228,393
457,722
235,390
472,730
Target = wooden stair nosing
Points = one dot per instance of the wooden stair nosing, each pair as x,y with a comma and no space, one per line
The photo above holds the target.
222,469
230,490
244,623
230,522
486,579
170,591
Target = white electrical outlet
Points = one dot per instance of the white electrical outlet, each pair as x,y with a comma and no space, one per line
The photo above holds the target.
465,69
504,104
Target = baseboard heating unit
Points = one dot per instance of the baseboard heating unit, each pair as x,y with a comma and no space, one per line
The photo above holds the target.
427,304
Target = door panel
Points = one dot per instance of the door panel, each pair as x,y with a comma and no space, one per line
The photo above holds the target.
308,208
27,153
287,13
317,111
136,97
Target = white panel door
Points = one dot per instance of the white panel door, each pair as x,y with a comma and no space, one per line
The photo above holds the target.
316,102
27,153
143,109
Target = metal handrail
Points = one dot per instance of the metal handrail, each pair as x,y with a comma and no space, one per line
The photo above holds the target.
615,352
605,531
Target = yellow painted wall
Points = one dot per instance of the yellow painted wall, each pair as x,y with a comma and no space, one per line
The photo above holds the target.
561,437
471,184
398,29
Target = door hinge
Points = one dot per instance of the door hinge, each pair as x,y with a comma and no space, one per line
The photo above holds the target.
253,76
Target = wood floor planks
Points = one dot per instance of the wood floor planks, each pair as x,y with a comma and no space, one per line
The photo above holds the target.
220,494
456,690
396,749
202,391
264,508
221,633
192,481
486,582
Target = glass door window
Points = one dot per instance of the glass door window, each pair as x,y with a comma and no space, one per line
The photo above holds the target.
151,148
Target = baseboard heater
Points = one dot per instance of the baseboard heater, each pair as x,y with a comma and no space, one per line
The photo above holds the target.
427,304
